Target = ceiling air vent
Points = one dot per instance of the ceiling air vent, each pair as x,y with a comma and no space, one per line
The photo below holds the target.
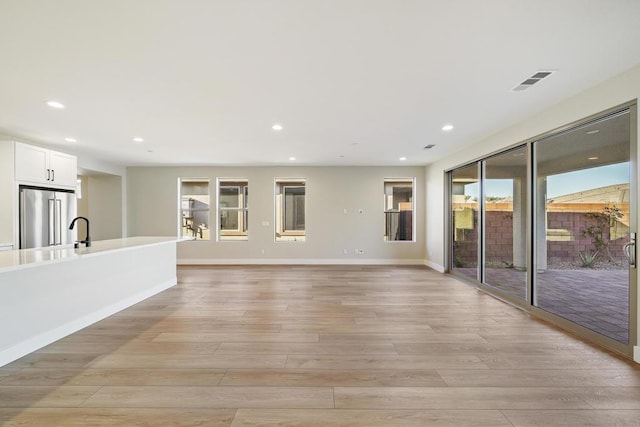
527,83
427,147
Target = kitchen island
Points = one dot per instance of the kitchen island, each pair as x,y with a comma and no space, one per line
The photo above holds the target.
49,293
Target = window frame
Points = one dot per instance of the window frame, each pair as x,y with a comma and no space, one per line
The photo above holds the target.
242,184
181,209
405,180
281,234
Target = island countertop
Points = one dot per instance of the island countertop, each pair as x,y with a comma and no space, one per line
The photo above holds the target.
49,293
26,258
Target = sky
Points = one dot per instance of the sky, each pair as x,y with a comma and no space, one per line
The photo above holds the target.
561,184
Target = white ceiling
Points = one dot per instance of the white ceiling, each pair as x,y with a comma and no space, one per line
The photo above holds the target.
353,82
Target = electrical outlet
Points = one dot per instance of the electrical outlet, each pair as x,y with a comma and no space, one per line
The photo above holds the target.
262,251
345,251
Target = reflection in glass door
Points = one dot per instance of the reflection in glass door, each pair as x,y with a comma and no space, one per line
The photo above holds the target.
505,213
465,193
582,220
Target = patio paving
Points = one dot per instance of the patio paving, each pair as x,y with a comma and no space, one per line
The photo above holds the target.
595,299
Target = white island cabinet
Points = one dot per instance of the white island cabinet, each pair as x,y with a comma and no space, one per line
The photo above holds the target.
47,294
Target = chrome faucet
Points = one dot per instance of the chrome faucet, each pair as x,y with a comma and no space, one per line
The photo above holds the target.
87,240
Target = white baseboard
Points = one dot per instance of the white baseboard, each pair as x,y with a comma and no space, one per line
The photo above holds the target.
437,267
636,354
32,344
301,261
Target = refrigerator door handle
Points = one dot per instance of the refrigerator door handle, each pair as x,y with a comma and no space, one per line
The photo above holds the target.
52,222
23,219
58,214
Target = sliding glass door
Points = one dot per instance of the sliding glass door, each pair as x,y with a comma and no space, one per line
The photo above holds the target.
465,194
549,225
505,222
582,222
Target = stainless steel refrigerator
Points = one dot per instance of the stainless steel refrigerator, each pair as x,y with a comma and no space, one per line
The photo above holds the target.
45,215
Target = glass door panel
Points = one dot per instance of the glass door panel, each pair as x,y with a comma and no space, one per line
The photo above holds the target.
465,193
582,225
505,213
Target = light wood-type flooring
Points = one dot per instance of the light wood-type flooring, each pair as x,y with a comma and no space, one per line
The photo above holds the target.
320,346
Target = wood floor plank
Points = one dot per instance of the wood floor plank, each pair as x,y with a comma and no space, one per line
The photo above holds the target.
117,417
572,418
51,397
212,397
366,418
383,362
610,397
426,337
116,376
457,398
541,377
307,348
134,347
60,360
489,350
560,361
159,361
332,378
231,337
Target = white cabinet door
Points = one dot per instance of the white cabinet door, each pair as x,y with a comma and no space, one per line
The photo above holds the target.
64,169
31,163
46,167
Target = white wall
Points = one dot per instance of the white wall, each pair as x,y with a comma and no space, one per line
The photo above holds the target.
90,166
102,203
153,200
83,207
616,91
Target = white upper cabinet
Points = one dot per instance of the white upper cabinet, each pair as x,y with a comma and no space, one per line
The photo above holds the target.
64,169
31,163
41,166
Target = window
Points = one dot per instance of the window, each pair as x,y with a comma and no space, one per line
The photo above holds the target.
290,210
398,209
194,208
233,214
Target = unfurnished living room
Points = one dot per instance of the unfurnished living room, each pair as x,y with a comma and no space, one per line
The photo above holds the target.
319,213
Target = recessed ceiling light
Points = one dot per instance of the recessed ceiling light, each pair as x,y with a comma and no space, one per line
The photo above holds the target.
71,140
592,132
137,139
447,128
403,158
55,104
277,126
292,158
592,158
